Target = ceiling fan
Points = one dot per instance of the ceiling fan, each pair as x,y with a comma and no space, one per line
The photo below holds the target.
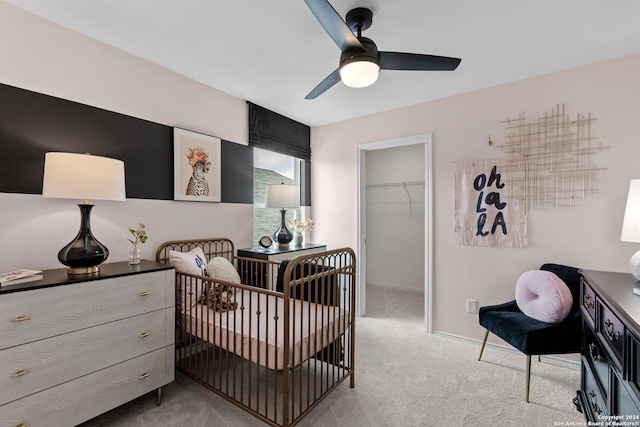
360,60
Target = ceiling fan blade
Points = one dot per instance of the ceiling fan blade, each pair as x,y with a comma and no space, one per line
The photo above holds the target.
333,24
417,62
325,85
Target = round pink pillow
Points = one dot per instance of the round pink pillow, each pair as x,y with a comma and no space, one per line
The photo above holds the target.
543,296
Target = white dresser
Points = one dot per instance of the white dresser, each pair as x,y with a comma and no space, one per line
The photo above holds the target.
72,348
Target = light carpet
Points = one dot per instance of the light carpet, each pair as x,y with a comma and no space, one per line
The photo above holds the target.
404,377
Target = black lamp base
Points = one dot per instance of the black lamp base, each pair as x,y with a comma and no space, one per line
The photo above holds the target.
84,253
282,236
73,271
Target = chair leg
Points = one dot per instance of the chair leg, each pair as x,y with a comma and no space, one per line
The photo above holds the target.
484,341
526,396
528,380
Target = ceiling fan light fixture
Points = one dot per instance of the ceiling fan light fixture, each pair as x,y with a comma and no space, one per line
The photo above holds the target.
360,60
361,72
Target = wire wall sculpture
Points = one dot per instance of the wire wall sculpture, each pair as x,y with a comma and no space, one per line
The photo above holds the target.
549,159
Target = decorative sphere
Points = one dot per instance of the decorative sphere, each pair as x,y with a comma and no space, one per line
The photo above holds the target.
634,265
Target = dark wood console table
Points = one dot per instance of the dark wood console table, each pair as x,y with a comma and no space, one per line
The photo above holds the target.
610,379
268,279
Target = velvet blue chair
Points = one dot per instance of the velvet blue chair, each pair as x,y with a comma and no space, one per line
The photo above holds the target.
531,336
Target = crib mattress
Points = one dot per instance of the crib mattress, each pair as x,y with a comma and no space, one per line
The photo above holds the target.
255,330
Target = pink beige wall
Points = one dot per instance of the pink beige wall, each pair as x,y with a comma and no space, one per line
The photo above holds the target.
46,58
586,236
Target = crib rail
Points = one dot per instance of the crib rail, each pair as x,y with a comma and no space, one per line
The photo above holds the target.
327,279
212,247
232,338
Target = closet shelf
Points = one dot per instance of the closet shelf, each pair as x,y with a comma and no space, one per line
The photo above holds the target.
398,184
395,184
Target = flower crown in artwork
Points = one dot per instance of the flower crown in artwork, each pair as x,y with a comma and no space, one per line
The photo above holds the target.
197,154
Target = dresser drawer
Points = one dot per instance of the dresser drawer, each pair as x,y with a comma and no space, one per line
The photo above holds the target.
612,330
634,365
79,400
42,313
588,302
625,404
36,366
595,401
598,360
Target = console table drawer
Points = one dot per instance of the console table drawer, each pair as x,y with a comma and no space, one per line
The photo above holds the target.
81,399
42,364
612,330
588,301
634,365
595,400
625,403
42,313
598,360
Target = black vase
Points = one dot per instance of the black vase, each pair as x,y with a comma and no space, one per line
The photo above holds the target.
282,236
84,253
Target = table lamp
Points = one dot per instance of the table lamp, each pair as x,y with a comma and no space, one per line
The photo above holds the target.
83,176
631,224
282,196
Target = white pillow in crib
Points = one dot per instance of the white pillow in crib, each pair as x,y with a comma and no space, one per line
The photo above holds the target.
221,269
189,289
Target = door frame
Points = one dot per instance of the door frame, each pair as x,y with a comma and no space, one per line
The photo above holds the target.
425,139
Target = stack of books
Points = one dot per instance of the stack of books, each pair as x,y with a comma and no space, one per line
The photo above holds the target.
19,276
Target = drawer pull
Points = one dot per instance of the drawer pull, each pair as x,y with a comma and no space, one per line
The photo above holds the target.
20,373
611,334
594,406
145,293
145,334
593,352
587,301
20,318
145,375
23,425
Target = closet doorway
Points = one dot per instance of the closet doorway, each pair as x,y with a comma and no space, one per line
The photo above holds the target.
394,227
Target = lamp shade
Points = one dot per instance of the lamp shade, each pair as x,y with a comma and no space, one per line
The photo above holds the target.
83,176
282,196
631,223
359,72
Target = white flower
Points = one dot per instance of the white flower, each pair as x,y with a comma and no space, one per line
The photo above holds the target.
299,226
139,235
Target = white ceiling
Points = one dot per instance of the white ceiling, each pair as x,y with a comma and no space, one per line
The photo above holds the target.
273,52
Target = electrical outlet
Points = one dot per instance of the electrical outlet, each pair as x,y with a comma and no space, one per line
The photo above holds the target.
472,306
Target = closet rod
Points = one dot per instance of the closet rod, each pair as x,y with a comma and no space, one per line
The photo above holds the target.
395,184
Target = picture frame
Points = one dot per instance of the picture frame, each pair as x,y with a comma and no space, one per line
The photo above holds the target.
196,160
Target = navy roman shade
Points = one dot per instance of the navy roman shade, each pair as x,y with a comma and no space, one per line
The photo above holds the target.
274,132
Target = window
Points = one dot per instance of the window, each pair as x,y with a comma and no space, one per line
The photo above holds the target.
271,168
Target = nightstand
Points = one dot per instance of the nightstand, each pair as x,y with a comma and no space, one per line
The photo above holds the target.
276,255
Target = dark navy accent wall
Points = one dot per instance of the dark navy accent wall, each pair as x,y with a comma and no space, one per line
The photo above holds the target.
32,124
237,173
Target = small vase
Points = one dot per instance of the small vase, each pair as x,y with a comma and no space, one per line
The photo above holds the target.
134,255
298,238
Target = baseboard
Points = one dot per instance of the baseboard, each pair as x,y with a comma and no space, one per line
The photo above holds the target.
555,360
